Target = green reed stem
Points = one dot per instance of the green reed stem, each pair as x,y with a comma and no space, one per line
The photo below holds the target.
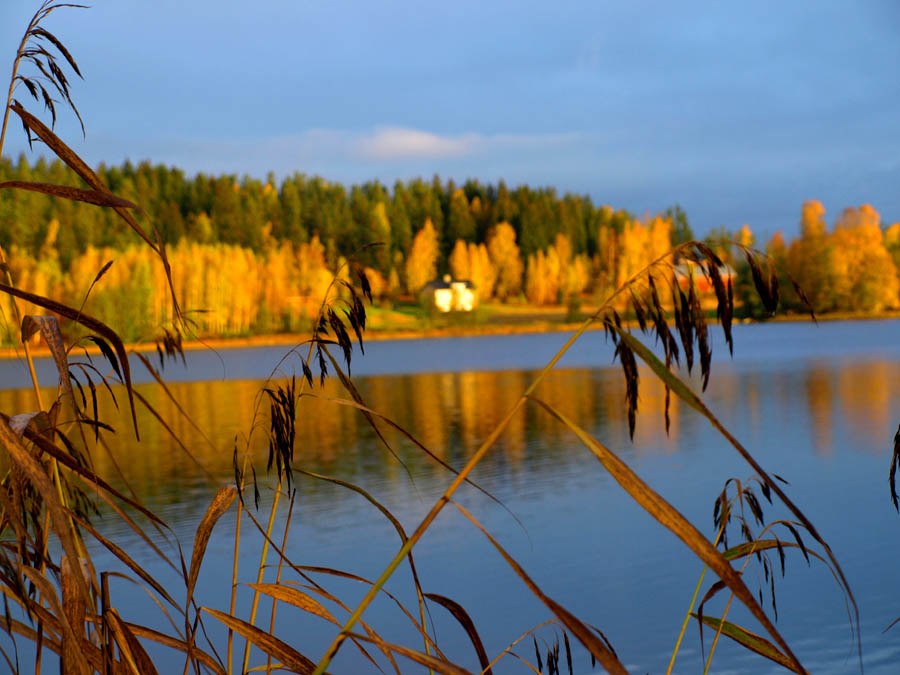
687,616
262,568
234,573
727,607
287,527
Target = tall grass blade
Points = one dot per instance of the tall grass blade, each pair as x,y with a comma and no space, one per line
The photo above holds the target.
48,326
72,194
290,658
91,324
295,597
460,614
73,161
130,649
78,165
220,503
751,641
669,517
174,643
684,393
72,658
36,474
427,660
593,644
74,604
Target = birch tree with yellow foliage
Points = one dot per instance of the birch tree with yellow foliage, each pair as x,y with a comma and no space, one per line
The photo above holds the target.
421,263
505,259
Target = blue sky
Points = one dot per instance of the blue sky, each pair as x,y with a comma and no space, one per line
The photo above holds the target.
738,112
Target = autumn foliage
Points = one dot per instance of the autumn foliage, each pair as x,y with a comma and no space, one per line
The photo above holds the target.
254,257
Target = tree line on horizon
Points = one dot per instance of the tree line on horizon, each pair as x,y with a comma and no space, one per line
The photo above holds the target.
254,256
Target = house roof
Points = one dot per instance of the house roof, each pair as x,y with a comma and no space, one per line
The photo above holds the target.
444,283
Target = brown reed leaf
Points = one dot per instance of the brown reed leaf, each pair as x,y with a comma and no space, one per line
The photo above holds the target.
72,194
49,329
297,598
670,518
74,605
172,642
91,324
92,479
64,152
290,658
72,659
751,641
427,660
80,167
131,651
460,614
220,503
20,456
593,644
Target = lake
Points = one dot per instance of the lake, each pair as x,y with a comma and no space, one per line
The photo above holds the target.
818,405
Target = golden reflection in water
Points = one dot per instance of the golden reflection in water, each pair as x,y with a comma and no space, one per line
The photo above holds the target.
866,391
820,398
452,414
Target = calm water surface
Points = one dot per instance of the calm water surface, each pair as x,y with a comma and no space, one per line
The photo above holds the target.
816,405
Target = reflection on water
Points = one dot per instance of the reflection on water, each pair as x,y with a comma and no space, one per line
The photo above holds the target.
822,421
449,413
452,413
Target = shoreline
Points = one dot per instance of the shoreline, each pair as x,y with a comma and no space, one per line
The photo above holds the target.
553,323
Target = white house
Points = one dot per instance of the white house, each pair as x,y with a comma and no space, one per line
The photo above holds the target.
450,295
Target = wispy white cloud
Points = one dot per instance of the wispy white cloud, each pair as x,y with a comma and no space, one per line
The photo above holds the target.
401,143
398,143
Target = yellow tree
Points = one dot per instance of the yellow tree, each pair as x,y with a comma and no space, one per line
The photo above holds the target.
459,261
811,258
865,275
633,244
506,261
554,267
892,242
481,271
604,264
536,279
421,263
